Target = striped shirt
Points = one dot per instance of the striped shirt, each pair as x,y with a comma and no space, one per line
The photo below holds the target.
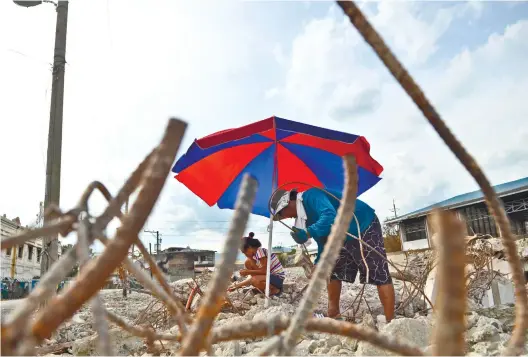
276,266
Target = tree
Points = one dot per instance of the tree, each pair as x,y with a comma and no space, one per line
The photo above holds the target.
390,229
391,237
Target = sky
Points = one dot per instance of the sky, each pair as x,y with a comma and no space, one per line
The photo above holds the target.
221,64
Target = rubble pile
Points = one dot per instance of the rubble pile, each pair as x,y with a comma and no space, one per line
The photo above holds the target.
488,330
498,249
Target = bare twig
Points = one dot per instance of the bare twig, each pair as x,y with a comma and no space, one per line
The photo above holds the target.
214,298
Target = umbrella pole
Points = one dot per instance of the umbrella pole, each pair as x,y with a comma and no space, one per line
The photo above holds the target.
268,267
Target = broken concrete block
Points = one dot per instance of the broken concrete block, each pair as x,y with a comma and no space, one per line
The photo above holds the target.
413,331
333,341
486,329
303,348
288,287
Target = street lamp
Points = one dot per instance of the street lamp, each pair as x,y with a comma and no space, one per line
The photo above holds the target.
31,3
27,3
53,162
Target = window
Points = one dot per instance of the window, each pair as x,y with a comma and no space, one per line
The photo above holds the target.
21,251
39,252
8,252
415,231
203,257
30,252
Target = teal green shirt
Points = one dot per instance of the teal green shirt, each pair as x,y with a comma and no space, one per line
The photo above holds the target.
321,211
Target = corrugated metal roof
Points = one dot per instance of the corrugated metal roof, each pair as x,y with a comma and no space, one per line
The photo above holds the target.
503,189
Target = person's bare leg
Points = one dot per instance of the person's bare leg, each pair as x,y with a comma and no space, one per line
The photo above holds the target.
387,298
259,281
334,296
250,264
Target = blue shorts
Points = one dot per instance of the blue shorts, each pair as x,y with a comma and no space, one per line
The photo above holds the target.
276,281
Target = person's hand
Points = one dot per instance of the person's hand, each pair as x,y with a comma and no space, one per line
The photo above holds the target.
243,272
232,288
300,236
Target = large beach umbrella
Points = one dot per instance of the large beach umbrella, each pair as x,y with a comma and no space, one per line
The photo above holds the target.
274,151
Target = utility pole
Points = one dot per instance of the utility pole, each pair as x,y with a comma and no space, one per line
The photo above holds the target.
394,209
150,252
53,162
125,275
157,246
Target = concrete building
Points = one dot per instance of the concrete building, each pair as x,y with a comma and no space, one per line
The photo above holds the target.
182,263
416,233
20,262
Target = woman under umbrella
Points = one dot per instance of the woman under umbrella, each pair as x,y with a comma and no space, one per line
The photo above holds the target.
255,267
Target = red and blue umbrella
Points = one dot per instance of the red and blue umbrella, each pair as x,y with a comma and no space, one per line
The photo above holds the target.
275,151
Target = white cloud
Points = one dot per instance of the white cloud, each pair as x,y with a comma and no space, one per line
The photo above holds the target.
479,93
133,65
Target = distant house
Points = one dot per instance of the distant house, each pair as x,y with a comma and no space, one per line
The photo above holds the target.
281,249
20,262
181,263
415,232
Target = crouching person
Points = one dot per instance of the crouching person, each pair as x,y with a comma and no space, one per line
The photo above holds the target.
255,267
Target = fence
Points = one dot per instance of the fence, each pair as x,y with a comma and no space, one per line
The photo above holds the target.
25,329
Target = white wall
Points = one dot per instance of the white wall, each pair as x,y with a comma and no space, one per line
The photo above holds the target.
416,244
24,268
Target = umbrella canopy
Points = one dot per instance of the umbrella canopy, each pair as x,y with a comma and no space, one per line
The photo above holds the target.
275,151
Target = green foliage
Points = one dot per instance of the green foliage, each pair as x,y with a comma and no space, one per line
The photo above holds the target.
391,237
392,244
283,258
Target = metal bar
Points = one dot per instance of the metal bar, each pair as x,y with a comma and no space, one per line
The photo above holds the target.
214,297
517,342
93,277
323,270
